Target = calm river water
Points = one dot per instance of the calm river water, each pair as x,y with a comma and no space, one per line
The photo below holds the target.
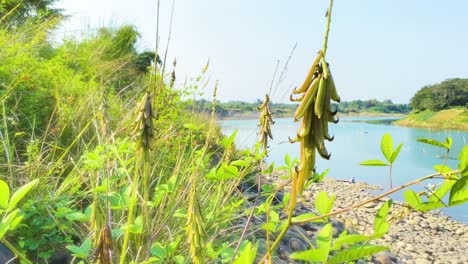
358,139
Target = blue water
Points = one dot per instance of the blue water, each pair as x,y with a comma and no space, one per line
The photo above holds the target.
358,139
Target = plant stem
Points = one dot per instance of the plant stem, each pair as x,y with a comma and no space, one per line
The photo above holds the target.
131,213
325,42
391,185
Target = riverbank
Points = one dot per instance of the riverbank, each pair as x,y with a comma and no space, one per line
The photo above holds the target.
413,237
248,115
445,119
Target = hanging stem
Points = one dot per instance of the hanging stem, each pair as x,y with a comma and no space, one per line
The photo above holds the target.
325,42
293,205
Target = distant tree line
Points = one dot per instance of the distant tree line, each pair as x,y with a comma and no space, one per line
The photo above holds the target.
373,106
287,109
440,96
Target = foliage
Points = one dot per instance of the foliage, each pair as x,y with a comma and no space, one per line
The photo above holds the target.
447,94
373,106
17,12
386,146
454,118
226,109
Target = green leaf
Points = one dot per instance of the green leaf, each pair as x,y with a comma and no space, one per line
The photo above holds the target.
191,126
16,221
4,194
247,254
240,163
386,145
317,177
138,225
381,225
395,153
356,253
434,142
443,169
439,194
158,250
345,239
20,193
211,174
323,241
448,142
412,198
227,172
227,142
463,160
286,198
78,216
312,255
287,160
459,192
374,163
271,227
268,188
179,259
323,203
81,252
6,222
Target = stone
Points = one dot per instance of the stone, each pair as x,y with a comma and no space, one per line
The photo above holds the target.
6,256
400,244
295,244
459,231
338,227
283,252
382,259
61,256
261,249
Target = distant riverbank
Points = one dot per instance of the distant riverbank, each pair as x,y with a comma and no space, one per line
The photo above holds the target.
255,115
445,119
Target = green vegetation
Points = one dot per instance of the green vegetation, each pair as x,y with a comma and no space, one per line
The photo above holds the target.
456,118
373,106
440,106
107,163
239,109
447,94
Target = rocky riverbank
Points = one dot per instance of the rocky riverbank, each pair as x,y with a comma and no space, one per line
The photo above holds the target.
414,237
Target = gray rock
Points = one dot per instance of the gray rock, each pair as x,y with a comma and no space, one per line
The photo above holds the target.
283,251
295,244
6,256
382,259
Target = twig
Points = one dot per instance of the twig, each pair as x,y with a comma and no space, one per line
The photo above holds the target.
168,40
274,76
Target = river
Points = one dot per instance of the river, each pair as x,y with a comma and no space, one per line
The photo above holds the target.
358,139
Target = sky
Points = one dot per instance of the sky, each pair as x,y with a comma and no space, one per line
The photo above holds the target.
386,49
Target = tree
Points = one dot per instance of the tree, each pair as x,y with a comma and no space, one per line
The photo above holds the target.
444,95
16,12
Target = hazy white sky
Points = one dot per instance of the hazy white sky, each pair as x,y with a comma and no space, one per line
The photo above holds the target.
384,49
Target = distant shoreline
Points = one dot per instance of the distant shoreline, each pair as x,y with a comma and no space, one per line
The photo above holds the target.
456,119
255,115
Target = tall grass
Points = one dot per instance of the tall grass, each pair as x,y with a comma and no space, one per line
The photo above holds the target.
118,181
